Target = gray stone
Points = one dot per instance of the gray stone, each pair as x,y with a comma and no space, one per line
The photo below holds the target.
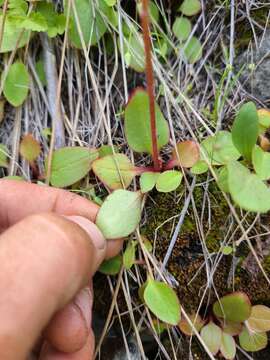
255,76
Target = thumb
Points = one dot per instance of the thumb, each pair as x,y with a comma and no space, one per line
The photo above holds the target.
45,260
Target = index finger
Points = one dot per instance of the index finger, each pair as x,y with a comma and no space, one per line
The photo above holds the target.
19,199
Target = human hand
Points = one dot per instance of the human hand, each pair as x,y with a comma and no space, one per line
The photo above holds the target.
49,251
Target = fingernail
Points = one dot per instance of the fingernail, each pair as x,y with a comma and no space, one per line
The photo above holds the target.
91,229
84,302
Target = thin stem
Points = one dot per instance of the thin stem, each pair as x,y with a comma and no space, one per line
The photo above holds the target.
150,81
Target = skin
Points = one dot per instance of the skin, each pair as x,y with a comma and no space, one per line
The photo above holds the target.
50,249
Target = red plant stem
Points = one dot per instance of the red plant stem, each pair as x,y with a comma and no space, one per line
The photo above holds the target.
150,81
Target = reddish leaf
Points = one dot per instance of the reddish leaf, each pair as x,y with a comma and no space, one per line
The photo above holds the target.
186,154
29,148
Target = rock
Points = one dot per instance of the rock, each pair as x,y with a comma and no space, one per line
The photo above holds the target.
255,76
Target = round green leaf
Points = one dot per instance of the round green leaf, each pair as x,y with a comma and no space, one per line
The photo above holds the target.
181,28
199,168
219,149
162,301
193,50
211,335
130,255
16,84
120,214
247,190
111,266
148,181
245,129
228,346
137,123
233,307
169,180
70,164
252,341
186,154
190,7
261,162
259,320
113,169
91,22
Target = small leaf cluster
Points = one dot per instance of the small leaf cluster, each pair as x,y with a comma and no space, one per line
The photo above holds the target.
240,159
233,316
20,22
182,28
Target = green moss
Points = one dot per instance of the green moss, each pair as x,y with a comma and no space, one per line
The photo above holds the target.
187,259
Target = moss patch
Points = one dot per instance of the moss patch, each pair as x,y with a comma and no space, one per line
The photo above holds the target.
186,263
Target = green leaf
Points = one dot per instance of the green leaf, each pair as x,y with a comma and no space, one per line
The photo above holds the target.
90,21
181,28
228,346
148,181
70,164
134,52
29,148
105,150
190,7
200,167
261,162
3,156
41,72
169,180
226,250
162,301
56,23
34,22
186,154
259,320
211,335
247,190
17,7
111,266
222,179
193,50
115,171
110,2
137,123
233,307
120,214
13,37
17,84
197,322
147,243
264,118
252,341
153,11
129,256
219,149
245,129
